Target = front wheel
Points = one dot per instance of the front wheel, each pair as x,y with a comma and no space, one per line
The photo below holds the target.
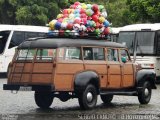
88,98
43,99
144,95
106,98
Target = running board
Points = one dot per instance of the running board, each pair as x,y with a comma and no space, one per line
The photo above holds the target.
130,93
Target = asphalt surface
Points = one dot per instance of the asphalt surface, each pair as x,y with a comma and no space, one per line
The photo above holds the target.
21,106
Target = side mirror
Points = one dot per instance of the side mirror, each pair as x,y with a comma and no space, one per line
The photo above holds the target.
124,60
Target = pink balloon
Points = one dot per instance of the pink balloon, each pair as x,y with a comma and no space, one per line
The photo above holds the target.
82,11
77,21
60,20
97,25
89,18
77,3
65,15
84,21
83,15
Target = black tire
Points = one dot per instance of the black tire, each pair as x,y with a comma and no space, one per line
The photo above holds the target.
107,98
43,99
144,95
90,102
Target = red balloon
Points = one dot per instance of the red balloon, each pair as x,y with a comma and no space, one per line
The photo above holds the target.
65,11
97,13
106,31
83,15
77,21
70,26
95,18
61,32
82,11
95,8
84,21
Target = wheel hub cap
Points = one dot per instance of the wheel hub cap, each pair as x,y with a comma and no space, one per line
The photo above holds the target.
146,92
89,97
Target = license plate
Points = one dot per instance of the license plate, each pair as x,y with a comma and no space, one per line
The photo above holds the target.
22,88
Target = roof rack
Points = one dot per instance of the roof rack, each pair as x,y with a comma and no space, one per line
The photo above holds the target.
83,35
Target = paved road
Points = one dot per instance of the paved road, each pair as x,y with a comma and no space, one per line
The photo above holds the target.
21,106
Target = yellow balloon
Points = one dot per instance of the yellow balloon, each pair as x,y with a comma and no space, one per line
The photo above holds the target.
59,16
52,24
84,6
101,19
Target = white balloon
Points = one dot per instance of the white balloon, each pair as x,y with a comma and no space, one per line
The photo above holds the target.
76,27
63,25
104,13
82,28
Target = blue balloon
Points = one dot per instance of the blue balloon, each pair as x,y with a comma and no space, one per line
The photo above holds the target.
76,15
58,25
76,11
106,23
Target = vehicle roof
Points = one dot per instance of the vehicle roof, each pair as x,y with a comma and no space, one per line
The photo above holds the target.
140,27
66,42
115,30
24,28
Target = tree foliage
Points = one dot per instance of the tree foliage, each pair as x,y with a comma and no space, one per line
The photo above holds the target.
144,10
40,12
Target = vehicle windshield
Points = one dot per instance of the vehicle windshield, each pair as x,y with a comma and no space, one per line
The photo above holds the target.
145,41
41,54
3,40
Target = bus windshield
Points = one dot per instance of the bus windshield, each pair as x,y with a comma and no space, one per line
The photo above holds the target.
144,44
3,40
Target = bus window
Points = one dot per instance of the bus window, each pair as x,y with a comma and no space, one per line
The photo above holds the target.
127,38
145,43
30,35
3,39
17,38
158,42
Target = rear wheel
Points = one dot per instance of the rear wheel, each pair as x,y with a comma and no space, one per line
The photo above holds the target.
144,95
43,99
106,98
88,98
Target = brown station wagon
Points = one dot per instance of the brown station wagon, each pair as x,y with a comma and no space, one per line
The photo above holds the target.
77,68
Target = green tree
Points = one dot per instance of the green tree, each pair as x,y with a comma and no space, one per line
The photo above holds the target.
144,10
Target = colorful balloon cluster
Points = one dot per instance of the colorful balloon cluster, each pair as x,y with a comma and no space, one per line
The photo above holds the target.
81,19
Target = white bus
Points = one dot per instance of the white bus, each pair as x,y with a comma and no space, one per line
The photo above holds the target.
144,40
11,36
114,33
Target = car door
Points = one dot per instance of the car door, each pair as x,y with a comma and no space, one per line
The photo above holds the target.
114,68
127,69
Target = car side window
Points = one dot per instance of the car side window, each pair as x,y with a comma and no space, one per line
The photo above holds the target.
124,55
112,55
93,53
69,53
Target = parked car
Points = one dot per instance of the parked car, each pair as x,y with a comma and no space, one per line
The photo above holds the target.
77,68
